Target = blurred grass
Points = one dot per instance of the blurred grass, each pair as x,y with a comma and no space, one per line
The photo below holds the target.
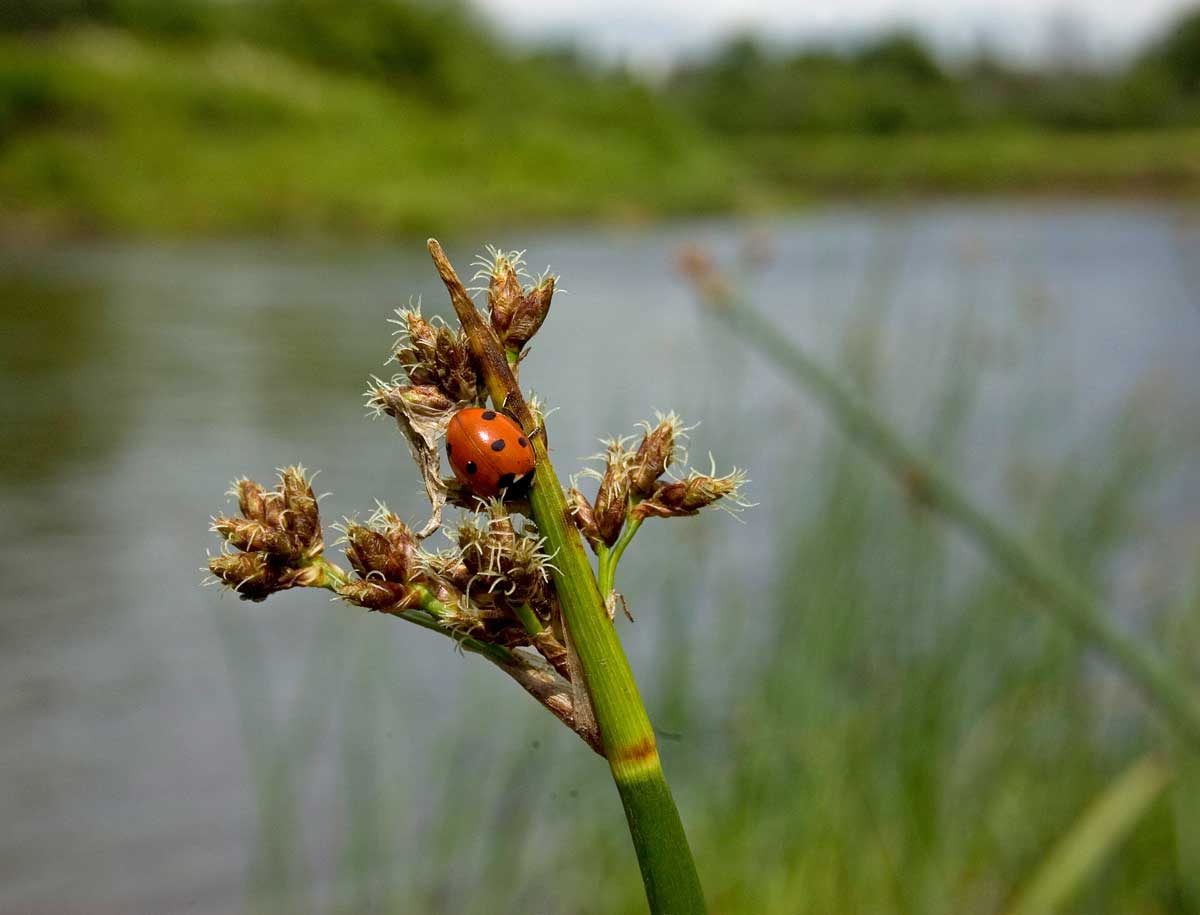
875,725
993,160
1092,839
113,131
106,132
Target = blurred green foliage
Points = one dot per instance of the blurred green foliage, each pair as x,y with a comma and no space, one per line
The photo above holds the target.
400,115
894,84
104,130
178,19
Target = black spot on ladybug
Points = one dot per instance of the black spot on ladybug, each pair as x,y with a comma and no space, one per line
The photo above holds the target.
471,467
507,480
449,449
489,415
521,486
521,441
498,445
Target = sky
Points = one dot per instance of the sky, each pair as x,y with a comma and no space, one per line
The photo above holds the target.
649,34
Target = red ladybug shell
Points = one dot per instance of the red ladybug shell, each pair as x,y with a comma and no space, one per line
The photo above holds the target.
488,451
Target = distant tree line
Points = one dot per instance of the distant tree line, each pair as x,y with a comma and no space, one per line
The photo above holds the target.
895,83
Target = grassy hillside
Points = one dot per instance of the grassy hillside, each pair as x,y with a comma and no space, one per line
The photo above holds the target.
104,132
108,130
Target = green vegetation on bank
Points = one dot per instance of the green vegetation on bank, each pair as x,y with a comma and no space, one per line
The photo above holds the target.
978,161
106,132
126,116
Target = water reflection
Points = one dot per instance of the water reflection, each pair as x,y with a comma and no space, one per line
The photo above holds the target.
56,339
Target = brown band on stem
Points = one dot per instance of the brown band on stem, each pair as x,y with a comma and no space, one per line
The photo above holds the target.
640,752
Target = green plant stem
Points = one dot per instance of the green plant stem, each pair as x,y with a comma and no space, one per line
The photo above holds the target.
609,557
528,619
1056,590
427,614
669,874
668,871
531,674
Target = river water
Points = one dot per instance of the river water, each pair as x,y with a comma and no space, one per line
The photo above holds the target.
138,710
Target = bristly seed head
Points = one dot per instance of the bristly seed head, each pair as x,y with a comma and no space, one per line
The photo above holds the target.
517,311
582,515
278,536
283,522
383,548
656,453
612,498
696,491
252,575
417,347
434,354
504,291
530,313
506,566
424,401
385,555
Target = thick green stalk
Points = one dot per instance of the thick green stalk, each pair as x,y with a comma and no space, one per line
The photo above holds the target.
668,871
1062,596
672,884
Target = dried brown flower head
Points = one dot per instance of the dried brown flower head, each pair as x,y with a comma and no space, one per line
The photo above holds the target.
530,313
432,353
517,311
655,453
581,514
612,498
278,536
504,289
696,491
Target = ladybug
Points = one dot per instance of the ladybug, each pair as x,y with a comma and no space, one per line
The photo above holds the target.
488,451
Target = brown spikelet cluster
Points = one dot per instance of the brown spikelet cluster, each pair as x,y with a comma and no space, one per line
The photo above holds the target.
517,311
385,555
437,356
680,498
612,497
632,485
275,541
440,378
505,567
494,572
583,516
654,455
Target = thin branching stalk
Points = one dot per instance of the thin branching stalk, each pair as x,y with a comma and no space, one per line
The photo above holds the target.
531,674
668,871
1056,590
609,557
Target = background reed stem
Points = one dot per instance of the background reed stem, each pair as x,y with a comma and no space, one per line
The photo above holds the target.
1054,588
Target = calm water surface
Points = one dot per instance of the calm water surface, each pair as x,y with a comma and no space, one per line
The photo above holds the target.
138,379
